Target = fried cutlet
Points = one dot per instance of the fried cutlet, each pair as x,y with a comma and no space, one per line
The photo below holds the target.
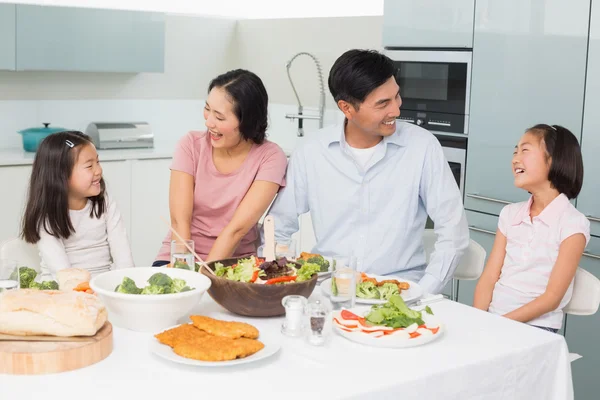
181,334
231,330
214,348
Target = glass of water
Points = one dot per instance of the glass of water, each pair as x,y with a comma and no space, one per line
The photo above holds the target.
343,282
181,257
9,275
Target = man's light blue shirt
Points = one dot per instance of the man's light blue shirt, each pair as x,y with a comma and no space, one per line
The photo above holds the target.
377,213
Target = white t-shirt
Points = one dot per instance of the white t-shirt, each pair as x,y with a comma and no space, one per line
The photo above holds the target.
97,243
363,156
531,251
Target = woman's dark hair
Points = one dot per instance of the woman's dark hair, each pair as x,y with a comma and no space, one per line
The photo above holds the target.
356,73
250,101
48,197
566,170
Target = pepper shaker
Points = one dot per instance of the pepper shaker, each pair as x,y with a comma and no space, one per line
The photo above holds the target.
318,313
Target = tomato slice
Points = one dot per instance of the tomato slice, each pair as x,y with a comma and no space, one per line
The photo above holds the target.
349,315
434,330
344,325
414,335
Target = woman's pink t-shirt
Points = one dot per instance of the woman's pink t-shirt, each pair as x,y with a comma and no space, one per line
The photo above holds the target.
217,195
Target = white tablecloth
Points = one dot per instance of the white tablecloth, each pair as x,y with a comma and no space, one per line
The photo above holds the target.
480,356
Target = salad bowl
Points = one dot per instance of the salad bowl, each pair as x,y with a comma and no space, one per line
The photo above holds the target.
253,299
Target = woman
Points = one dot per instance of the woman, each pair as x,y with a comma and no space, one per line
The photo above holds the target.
223,179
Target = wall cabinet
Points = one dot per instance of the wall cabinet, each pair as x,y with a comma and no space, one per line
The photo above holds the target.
85,39
7,36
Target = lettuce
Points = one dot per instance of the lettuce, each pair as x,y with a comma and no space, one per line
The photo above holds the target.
307,271
395,314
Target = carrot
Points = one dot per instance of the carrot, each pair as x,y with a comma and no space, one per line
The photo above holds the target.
82,287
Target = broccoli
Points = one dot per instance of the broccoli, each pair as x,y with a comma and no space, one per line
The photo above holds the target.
177,285
26,276
320,261
160,279
46,285
128,286
153,289
185,289
181,265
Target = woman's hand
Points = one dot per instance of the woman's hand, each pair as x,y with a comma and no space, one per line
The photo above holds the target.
181,202
252,207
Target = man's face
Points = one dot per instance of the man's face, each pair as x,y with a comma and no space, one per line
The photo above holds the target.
376,116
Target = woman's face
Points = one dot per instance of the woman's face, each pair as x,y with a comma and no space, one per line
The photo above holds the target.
222,124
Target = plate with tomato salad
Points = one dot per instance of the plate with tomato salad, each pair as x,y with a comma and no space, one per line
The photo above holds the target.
390,325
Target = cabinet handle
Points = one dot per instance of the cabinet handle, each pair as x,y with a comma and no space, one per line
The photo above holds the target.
590,255
595,219
482,230
477,197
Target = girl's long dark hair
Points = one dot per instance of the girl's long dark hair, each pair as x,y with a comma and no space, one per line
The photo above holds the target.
48,196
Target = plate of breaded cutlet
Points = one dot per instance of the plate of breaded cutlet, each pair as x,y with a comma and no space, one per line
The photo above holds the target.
213,343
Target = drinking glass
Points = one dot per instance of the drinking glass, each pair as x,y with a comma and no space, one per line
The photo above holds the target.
343,282
181,257
288,251
9,275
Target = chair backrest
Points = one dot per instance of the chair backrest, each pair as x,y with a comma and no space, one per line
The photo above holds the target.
25,254
586,294
472,262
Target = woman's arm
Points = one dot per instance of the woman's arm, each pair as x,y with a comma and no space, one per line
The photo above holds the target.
491,274
181,202
569,254
253,206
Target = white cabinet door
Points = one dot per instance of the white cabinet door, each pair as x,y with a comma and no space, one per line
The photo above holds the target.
14,182
149,201
117,176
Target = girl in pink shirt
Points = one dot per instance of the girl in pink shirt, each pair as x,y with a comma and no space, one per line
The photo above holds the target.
529,273
223,179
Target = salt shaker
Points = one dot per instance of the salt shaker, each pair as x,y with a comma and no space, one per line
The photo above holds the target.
318,313
294,305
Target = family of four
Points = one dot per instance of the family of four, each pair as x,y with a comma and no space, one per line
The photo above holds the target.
369,185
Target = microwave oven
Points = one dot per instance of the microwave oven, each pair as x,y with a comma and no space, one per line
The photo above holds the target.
434,87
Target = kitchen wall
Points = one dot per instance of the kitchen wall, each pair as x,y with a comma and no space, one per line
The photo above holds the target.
197,49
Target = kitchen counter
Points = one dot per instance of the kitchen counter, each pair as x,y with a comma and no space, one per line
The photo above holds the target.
479,356
21,157
18,156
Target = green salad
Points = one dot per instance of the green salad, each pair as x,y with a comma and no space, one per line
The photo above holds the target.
26,280
257,270
368,290
395,314
158,283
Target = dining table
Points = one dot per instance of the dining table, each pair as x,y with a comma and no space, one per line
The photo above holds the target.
478,356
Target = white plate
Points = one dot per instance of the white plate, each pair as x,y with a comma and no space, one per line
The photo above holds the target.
413,293
391,341
272,346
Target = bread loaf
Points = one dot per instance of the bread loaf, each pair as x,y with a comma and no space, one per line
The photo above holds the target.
50,312
69,278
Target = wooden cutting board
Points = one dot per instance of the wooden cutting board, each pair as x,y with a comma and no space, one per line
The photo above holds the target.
34,358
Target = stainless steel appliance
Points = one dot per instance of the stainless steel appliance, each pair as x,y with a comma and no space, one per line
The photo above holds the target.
435,87
120,135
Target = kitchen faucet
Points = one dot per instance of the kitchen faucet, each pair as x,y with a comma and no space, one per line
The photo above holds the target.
301,116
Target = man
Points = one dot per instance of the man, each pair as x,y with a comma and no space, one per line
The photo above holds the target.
371,183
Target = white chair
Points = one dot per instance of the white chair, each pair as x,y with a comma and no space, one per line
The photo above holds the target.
585,299
25,254
470,266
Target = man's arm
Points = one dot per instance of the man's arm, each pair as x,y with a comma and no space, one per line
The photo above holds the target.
442,199
291,201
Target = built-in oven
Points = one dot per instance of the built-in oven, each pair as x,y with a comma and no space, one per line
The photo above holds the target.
434,87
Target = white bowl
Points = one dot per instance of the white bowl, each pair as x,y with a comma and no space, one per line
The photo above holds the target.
148,312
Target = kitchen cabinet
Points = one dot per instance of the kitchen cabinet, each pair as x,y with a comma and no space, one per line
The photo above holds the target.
582,336
428,23
7,36
529,62
587,201
149,201
85,39
14,181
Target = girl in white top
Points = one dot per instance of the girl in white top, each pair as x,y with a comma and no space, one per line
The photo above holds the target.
529,273
68,214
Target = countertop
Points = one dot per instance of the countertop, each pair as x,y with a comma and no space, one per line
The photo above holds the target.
18,156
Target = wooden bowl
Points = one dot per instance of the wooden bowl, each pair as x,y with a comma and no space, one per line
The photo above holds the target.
252,300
